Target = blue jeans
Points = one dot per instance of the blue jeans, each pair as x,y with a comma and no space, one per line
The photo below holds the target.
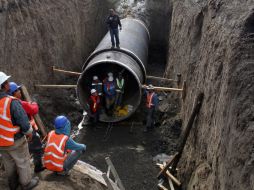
72,159
114,34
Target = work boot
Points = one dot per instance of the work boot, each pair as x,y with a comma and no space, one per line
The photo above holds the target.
113,46
33,183
63,173
117,46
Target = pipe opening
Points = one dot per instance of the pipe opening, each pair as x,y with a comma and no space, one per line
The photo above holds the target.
132,90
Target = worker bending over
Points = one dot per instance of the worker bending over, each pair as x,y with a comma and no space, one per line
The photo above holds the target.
59,143
110,94
120,84
13,144
151,106
31,109
94,104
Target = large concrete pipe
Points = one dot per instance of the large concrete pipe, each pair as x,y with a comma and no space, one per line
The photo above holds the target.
131,59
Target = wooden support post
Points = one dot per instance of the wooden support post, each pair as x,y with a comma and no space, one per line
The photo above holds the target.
195,112
171,184
157,88
173,178
184,90
107,180
55,86
165,168
66,72
178,80
114,172
37,118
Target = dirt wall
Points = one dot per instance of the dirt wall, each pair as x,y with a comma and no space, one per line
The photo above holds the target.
211,44
35,35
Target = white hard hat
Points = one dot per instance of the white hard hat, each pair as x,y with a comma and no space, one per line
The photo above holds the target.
110,74
95,78
93,91
110,79
3,77
150,87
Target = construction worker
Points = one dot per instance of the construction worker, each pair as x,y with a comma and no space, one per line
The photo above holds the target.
56,157
152,102
94,104
120,84
97,85
13,144
113,21
110,74
110,94
31,108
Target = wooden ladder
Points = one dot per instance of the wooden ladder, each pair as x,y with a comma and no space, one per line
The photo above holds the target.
115,184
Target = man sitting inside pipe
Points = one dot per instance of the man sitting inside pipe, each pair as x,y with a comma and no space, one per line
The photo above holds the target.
120,84
62,152
113,21
31,108
94,104
152,102
110,94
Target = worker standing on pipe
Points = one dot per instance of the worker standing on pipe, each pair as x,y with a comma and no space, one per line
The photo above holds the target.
113,21
58,144
13,144
110,94
94,103
152,102
31,108
120,84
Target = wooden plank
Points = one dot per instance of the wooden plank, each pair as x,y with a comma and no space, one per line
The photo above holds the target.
109,185
37,117
114,172
164,169
162,187
160,78
89,170
158,88
65,71
55,86
176,181
171,185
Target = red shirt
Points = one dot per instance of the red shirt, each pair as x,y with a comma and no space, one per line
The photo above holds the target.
31,108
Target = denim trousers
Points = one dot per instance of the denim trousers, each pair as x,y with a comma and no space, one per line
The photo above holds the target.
114,34
72,159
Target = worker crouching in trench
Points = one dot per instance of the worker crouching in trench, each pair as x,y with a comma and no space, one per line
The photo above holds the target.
61,151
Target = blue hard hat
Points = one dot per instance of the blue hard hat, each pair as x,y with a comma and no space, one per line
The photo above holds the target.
60,121
13,87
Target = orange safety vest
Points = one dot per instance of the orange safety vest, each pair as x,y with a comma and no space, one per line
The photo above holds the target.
7,129
95,103
149,99
54,153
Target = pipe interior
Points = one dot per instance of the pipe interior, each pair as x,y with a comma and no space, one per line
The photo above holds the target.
132,91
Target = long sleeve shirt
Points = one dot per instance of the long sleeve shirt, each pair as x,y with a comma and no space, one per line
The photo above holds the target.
113,21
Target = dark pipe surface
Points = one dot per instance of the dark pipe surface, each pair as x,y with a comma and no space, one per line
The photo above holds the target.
132,57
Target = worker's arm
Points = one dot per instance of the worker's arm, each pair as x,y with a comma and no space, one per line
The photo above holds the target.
19,117
72,145
119,23
31,108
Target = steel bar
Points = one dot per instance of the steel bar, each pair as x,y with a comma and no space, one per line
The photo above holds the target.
55,86
65,71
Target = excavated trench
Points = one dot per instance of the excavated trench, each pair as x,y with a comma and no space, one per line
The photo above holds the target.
210,44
